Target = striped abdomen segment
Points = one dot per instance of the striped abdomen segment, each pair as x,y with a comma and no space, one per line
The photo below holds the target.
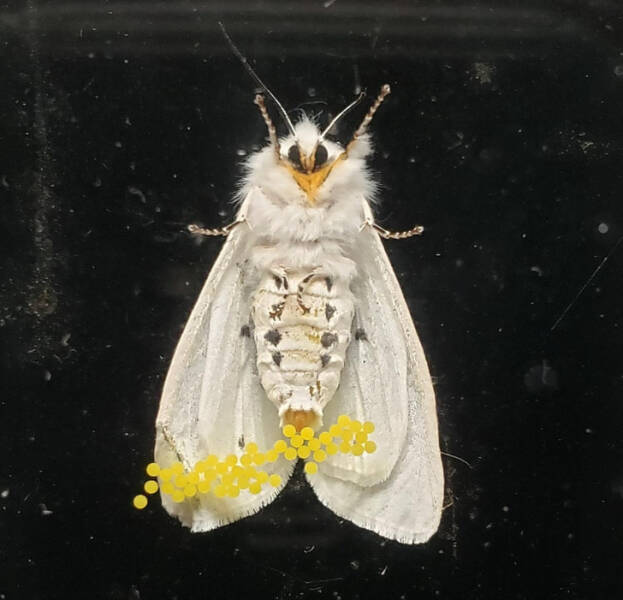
302,330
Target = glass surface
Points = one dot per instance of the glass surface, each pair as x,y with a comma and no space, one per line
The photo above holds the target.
122,122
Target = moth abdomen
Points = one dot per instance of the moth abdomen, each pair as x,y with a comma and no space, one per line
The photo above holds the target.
299,351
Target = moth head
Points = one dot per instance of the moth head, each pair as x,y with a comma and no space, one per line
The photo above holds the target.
306,154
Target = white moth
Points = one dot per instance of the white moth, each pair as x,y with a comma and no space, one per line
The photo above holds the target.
302,319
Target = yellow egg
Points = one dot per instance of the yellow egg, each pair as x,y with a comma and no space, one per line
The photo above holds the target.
307,433
166,474
140,502
153,469
311,468
151,487
320,456
343,420
280,446
251,448
313,444
370,447
368,427
289,430
325,438
332,449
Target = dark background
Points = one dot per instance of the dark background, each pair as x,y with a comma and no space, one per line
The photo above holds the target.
121,122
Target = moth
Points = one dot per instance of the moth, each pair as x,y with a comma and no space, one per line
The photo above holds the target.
302,319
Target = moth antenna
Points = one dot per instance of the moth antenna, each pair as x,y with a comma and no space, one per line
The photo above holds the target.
272,131
256,78
385,90
342,113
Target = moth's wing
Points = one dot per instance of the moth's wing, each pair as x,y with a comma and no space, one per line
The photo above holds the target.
212,402
406,504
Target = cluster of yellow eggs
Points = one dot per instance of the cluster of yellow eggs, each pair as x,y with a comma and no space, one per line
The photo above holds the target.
227,477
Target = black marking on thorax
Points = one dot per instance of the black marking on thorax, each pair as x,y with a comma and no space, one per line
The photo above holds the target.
324,359
245,331
241,442
277,356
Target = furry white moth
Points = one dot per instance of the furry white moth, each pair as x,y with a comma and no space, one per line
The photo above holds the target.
302,319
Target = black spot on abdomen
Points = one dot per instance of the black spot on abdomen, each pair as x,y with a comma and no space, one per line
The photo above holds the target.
329,311
360,335
245,331
328,339
272,336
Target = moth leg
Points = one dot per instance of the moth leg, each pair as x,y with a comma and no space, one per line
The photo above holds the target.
392,235
223,231
314,274
280,275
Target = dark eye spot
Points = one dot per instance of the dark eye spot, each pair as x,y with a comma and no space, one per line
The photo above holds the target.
294,156
320,158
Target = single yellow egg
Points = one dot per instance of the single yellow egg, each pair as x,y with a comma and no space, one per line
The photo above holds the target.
251,448
320,456
153,469
311,468
313,444
151,487
370,447
280,446
140,502
307,433
368,427
289,430
325,438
